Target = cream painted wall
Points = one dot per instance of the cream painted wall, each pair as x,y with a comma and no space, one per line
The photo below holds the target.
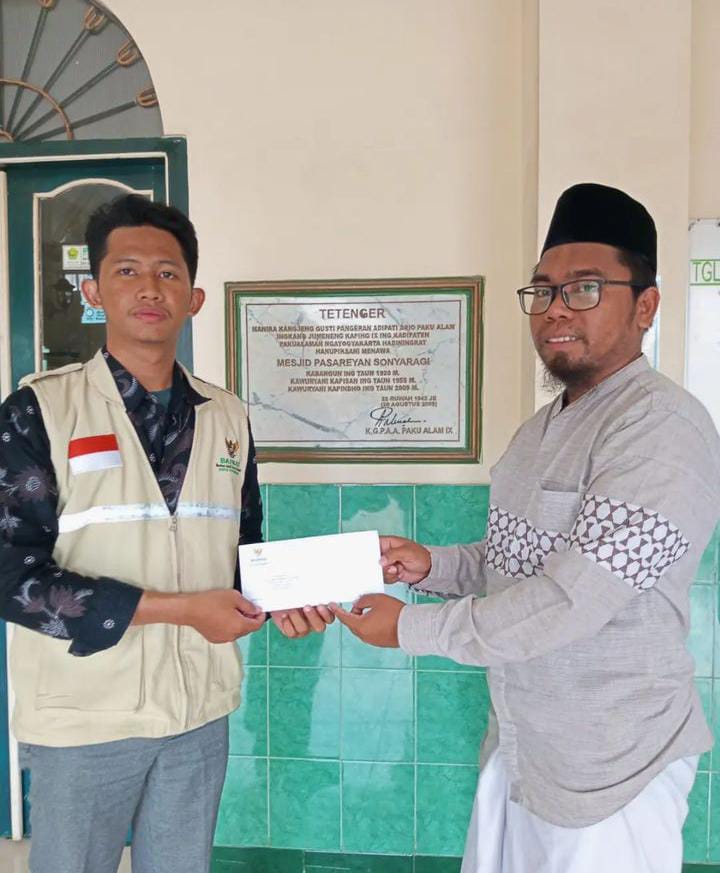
614,107
344,139
331,138
705,117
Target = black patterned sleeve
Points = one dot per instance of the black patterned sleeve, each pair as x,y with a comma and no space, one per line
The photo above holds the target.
251,513
92,613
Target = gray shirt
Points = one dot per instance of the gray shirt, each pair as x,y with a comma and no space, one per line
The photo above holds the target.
599,515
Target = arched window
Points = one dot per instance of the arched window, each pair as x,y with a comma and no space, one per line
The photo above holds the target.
69,70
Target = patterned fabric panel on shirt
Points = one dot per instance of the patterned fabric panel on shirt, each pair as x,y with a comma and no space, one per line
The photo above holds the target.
636,544
516,548
36,593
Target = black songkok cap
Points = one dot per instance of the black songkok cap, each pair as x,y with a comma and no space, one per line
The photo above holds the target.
599,214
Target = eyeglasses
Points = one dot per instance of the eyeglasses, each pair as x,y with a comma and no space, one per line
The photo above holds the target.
579,294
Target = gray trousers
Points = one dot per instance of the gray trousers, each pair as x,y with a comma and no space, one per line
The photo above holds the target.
85,799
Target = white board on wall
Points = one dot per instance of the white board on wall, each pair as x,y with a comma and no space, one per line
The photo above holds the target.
702,364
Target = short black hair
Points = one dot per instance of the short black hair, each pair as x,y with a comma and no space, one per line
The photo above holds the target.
642,272
134,210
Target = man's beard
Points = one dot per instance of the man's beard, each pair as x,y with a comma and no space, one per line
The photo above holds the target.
560,373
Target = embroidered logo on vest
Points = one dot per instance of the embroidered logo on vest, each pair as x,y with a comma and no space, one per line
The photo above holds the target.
229,463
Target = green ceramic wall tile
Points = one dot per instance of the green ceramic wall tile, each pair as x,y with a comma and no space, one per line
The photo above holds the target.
421,597
302,511
324,862
315,868
253,647
305,804
452,711
444,802
377,715
401,592
378,808
695,832
332,693
232,860
387,509
290,861
314,650
708,569
435,662
700,640
437,865
248,724
715,724
448,514
705,690
716,632
701,868
356,653
714,823
304,713
264,498
243,816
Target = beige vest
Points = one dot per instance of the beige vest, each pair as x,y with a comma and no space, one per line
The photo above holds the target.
159,679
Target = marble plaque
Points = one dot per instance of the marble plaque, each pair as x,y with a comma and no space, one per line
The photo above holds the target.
373,371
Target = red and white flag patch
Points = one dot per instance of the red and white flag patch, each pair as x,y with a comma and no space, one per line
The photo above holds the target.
89,454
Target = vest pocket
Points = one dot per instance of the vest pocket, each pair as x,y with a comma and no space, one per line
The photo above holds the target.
108,681
225,666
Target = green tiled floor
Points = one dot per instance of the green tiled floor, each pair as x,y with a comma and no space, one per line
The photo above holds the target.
340,747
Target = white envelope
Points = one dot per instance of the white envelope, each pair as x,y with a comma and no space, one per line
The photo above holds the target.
286,574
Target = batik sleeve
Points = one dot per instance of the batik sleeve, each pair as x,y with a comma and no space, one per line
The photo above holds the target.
91,613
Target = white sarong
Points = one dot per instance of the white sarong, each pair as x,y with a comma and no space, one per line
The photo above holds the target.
645,836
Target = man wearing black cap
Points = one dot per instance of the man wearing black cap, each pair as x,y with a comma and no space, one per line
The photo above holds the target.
600,510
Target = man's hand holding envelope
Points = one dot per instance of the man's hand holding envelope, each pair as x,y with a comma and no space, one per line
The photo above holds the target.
294,623
374,617
289,578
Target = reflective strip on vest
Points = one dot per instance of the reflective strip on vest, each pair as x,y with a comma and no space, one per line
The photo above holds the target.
69,522
205,510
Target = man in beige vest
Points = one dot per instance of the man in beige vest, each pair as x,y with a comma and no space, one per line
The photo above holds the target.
125,486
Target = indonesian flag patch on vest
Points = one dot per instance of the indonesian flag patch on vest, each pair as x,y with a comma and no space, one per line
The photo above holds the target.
89,454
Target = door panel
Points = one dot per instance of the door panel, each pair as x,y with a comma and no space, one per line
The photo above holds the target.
48,207
5,375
